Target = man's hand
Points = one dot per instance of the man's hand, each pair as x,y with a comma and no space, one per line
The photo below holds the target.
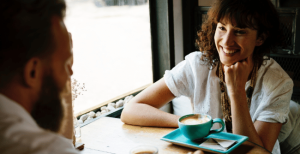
237,75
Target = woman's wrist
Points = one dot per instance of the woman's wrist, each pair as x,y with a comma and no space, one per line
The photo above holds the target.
239,97
233,90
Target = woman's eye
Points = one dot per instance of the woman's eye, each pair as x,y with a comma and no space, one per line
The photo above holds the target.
240,32
222,28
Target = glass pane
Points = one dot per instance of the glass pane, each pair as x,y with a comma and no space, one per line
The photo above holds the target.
112,48
288,26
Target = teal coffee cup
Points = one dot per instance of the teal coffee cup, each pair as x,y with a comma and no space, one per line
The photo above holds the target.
197,126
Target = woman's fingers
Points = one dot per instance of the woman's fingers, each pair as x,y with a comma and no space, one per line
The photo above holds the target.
236,75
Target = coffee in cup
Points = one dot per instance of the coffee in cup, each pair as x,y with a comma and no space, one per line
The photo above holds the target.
197,126
195,119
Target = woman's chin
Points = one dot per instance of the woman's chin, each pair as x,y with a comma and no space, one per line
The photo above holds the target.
227,63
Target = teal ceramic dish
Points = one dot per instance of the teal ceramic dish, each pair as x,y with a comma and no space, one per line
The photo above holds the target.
176,137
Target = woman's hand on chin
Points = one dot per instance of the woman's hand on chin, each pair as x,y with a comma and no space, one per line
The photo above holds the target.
237,75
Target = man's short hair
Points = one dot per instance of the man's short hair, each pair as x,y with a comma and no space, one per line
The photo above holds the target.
25,32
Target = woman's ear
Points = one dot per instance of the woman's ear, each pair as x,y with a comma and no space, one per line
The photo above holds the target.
261,39
32,74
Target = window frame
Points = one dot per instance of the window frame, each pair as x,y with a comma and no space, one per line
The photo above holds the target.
162,47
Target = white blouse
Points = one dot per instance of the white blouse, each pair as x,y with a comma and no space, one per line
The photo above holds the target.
270,99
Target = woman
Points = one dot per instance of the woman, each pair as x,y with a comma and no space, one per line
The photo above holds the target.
229,78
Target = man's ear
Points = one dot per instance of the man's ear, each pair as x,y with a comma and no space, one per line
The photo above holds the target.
261,39
33,72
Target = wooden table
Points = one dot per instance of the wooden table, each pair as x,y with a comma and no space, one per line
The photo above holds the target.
110,135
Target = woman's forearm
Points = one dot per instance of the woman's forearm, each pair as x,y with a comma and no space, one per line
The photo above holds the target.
143,109
241,120
146,115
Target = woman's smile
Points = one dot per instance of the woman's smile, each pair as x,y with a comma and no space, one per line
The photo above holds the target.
234,43
228,51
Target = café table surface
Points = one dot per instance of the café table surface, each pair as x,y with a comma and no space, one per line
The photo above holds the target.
111,136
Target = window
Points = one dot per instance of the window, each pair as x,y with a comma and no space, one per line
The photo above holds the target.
111,47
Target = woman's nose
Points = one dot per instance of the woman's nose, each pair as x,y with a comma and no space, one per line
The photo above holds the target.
228,39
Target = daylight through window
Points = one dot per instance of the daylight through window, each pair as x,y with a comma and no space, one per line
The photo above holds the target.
112,48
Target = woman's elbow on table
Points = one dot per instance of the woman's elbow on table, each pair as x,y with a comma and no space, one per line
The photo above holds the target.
130,113
126,114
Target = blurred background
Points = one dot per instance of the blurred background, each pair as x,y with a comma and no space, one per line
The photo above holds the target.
112,48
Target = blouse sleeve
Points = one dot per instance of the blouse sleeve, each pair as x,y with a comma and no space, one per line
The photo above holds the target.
180,80
277,91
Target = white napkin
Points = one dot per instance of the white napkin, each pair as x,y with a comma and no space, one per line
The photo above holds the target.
218,144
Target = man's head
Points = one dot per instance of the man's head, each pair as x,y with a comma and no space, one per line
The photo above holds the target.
35,57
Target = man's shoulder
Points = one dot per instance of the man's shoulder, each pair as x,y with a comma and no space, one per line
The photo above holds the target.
62,145
19,136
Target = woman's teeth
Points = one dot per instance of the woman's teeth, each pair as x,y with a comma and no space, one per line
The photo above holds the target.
230,51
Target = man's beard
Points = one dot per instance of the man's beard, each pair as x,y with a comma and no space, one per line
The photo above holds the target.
48,110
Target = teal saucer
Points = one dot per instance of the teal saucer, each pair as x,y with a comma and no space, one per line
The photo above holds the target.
176,137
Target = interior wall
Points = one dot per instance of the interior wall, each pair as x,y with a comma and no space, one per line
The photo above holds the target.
178,33
289,3
205,2
188,26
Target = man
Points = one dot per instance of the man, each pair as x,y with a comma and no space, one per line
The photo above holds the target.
35,67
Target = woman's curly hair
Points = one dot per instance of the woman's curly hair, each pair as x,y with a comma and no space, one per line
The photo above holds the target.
260,15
